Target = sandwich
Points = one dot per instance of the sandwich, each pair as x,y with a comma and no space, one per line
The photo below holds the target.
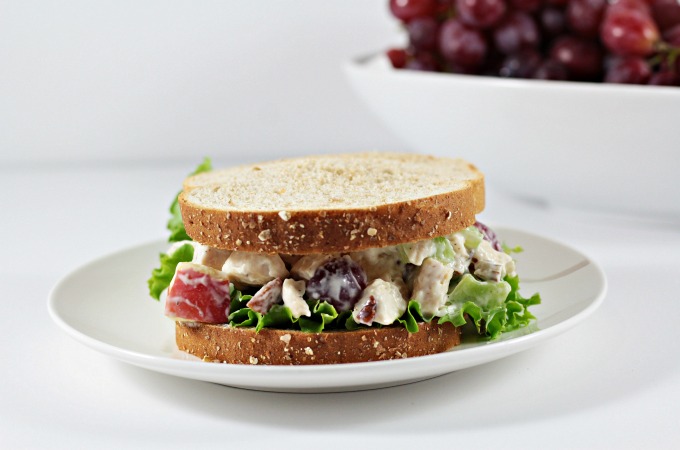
335,259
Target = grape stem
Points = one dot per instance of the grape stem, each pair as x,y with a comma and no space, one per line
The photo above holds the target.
665,52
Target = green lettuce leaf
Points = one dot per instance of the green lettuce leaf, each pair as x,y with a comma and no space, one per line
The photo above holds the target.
493,307
175,224
162,276
279,316
323,316
411,317
245,317
518,307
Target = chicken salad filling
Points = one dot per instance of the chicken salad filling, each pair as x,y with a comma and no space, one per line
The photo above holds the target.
463,277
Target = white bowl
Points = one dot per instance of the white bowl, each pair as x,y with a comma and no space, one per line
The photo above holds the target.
604,146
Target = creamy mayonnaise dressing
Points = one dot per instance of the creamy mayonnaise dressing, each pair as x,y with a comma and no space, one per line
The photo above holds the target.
254,269
420,271
292,293
389,305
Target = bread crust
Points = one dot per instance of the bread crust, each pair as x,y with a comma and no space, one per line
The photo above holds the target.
331,230
222,343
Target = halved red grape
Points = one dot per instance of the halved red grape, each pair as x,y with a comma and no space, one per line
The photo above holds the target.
461,45
489,235
517,31
339,282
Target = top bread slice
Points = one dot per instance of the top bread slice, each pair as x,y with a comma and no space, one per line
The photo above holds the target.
331,203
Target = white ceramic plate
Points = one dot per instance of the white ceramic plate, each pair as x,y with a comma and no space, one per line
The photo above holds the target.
105,305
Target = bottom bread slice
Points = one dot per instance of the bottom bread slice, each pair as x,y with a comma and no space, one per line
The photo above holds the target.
222,343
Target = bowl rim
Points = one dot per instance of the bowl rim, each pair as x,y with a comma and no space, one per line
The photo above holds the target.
362,64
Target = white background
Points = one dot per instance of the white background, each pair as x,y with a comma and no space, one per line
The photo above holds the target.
105,106
175,79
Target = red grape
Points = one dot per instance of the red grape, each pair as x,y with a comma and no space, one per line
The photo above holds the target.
397,57
672,35
550,70
615,41
489,235
638,5
628,70
629,32
520,65
665,78
445,8
480,13
584,16
526,5
410,9
553,21
422,33
461,45
582,58
517,31
666,13
462,70
340,282
422,61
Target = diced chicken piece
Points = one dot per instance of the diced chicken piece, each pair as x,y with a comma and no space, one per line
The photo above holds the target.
490,264
431,285
384,264
416,252
207,256
211,257
254,269
462,257
198,293
380,302
292,292
305,267
266,297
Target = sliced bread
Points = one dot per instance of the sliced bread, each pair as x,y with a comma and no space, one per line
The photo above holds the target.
333,203
222,343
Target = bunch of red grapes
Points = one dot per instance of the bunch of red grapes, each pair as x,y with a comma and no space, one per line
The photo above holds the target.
614,41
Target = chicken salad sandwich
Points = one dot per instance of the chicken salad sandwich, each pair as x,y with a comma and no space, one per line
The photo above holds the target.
335,259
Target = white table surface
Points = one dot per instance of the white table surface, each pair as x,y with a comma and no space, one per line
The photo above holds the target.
612,382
